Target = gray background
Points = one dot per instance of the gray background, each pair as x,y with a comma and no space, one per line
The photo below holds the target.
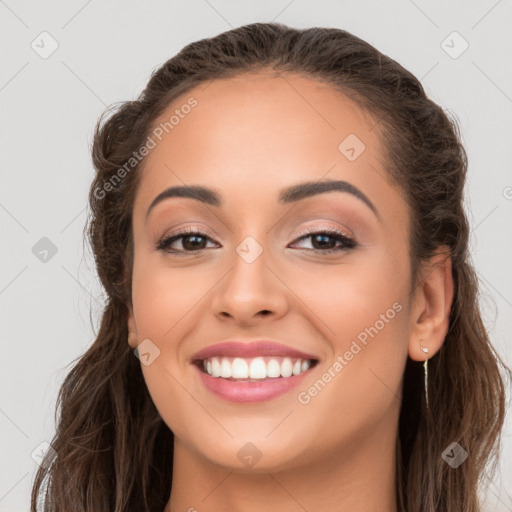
106,51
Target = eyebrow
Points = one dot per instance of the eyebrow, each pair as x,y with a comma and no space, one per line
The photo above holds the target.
286,196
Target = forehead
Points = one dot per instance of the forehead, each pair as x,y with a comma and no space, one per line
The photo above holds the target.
256,133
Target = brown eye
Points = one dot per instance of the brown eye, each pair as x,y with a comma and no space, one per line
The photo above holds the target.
191,241
325,241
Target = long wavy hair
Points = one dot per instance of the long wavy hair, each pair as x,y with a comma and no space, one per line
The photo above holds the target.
114,451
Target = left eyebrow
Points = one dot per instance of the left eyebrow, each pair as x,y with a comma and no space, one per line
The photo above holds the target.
311,188
287,195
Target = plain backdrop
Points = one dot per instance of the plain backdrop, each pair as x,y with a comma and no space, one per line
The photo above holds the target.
64,62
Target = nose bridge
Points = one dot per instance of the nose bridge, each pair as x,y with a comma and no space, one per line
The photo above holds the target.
247,277
250,286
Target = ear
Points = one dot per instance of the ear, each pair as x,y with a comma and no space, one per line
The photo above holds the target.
433,298
132,330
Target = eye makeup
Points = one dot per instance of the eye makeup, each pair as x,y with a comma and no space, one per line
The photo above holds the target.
334,234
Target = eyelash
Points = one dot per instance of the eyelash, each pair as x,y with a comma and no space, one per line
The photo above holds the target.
347,243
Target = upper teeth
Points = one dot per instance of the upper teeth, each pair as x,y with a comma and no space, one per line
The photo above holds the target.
257,368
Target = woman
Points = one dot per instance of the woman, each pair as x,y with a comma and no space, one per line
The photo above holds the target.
292,318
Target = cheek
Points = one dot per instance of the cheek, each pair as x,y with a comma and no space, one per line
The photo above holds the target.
163,296
361,309
366,289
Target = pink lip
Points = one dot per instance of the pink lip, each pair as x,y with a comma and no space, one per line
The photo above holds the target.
247,350
250,391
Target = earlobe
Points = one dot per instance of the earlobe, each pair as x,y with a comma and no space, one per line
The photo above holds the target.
432,305
132,330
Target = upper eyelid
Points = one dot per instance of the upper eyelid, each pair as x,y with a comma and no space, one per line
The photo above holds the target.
303,233
328,229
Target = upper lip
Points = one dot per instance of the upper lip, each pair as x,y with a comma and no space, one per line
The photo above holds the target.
238,348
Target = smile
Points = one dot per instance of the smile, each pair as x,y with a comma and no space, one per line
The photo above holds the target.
257,368
258,379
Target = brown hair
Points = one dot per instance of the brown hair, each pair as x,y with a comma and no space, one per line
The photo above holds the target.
114,452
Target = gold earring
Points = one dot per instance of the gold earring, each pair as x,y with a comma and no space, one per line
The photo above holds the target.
425,367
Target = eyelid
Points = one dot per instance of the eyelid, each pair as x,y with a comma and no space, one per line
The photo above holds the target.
303,231
338,232
197,228
188,230
161,243
329,229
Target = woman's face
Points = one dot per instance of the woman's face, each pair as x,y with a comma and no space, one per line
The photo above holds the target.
341,298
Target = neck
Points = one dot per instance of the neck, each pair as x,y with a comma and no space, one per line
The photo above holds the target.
358,477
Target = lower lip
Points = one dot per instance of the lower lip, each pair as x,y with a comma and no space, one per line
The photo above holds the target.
250,391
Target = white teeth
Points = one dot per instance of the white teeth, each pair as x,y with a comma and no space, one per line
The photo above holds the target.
239,368
225,368
273,368
215,367
286,367
256,368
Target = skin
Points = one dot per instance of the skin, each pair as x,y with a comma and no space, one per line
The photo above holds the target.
247,138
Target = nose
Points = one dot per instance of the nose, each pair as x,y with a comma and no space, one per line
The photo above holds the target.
250,293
